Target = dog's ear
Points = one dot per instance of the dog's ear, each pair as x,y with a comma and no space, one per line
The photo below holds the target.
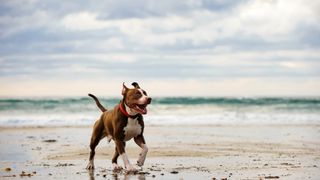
124,89
135,85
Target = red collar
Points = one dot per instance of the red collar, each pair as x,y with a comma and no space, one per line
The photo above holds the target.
124,112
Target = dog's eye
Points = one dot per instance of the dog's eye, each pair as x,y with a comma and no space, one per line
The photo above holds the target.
144,92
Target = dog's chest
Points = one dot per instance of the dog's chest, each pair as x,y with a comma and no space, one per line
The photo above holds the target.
132,129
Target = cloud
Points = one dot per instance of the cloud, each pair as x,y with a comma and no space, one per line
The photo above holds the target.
204,66
162,41
262,23
203,24
83,21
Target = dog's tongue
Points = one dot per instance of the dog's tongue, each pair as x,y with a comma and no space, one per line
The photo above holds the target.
144,111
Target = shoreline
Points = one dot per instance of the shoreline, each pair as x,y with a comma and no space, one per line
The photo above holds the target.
175,152
171,125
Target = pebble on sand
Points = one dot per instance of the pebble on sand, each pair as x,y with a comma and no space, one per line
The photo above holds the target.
7,169
174,172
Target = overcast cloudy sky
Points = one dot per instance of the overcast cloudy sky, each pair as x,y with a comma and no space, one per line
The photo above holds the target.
189,47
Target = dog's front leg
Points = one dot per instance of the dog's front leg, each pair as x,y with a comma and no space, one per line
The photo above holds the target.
142,156
121,149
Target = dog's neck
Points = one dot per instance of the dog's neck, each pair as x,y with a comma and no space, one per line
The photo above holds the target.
127,111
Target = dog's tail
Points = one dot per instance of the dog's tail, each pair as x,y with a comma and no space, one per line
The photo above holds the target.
98,103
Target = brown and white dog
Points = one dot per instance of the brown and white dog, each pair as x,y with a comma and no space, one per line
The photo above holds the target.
122,123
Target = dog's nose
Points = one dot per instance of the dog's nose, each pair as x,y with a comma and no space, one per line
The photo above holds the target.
149,100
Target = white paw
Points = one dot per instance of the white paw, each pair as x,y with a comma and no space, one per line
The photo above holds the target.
140,163
130,168
142,158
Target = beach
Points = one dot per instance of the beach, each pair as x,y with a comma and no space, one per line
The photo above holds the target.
175,152
220,90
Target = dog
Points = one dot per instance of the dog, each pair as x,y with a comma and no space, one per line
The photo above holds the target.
120,124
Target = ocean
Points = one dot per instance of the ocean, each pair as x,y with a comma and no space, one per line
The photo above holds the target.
163,111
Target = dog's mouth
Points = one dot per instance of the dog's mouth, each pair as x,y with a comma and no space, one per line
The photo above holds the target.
141,108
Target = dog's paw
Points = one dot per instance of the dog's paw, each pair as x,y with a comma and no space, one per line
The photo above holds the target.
130,169
116,167
139,163
90,166
141,159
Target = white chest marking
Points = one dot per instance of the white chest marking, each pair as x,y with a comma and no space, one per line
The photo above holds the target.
132,129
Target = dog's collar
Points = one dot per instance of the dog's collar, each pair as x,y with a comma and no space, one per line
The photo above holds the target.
124,112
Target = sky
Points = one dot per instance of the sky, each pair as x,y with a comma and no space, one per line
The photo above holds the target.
172,48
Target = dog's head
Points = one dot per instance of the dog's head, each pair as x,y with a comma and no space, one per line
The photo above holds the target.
136,98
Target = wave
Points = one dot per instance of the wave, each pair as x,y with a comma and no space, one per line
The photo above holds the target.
10,103
174,110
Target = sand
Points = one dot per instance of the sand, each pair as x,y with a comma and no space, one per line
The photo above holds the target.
175,152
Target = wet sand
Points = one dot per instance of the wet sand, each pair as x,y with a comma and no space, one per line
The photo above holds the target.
175,152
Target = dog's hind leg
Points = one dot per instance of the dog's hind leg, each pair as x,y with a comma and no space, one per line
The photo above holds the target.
97,134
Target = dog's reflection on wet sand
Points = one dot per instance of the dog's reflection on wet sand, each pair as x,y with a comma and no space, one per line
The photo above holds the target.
118,175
